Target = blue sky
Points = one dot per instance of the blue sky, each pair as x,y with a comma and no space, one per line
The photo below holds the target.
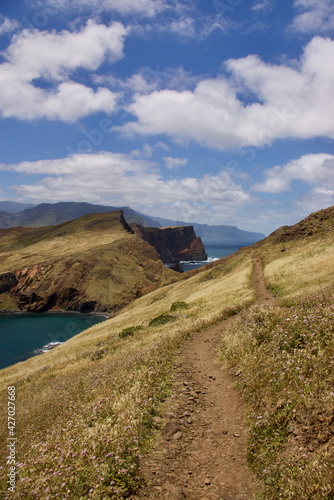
218,112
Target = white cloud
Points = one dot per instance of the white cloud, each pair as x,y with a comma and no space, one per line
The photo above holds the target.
146,152
162,145
184,27
7,25
118,179
50,58
317,16
184,17
316,170
288,103
174,162
149,79
262,6
317,198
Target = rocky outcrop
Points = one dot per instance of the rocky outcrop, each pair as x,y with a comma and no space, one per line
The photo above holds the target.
177,267
102,280
174,243
95,263
107,267
7,281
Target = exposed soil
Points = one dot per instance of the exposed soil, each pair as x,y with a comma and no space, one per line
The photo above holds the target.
200,453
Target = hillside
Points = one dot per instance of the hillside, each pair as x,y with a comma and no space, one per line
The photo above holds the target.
50,214
149,375
95,263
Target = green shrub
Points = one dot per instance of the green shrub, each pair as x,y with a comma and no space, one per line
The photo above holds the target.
163,319
128,332
179,305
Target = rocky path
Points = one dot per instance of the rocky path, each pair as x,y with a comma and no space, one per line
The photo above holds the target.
201,452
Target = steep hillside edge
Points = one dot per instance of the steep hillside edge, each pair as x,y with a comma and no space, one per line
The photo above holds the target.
174,244
95,263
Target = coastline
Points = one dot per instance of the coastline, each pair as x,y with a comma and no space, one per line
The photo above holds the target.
58,311
26,334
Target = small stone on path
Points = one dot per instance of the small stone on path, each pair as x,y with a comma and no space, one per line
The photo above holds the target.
177,436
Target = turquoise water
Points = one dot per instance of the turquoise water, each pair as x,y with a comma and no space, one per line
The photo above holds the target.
27,334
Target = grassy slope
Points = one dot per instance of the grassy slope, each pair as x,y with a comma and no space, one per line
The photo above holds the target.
286,355
85,255
39,245
299,259
85,409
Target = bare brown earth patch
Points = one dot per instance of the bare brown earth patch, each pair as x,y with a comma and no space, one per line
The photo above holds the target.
200,453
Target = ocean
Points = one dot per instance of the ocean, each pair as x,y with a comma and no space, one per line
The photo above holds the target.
24,335
215,252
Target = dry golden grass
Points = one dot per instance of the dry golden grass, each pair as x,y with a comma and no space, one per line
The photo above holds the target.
86,408
286,360
285,356
56,247
303,268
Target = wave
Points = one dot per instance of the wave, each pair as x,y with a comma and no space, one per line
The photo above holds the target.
47,347
196,262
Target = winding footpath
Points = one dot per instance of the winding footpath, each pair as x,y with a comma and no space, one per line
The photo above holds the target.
201,451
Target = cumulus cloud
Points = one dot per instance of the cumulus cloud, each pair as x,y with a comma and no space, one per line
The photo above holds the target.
119,179
174,162
317,16
35,79
286,102
316,170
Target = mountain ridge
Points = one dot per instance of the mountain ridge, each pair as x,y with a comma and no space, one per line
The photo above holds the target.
46,214
97,262
56,213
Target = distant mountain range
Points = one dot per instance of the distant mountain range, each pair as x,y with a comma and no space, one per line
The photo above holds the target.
11,207
48,214
215,234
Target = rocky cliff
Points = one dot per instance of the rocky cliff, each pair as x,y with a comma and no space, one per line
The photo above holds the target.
95,263
174,243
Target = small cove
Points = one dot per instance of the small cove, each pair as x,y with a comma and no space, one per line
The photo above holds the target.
23,335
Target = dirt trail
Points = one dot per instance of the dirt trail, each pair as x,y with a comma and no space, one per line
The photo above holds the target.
201,452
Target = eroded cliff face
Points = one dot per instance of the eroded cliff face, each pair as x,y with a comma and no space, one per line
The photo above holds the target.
174,243
95,265
103,280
